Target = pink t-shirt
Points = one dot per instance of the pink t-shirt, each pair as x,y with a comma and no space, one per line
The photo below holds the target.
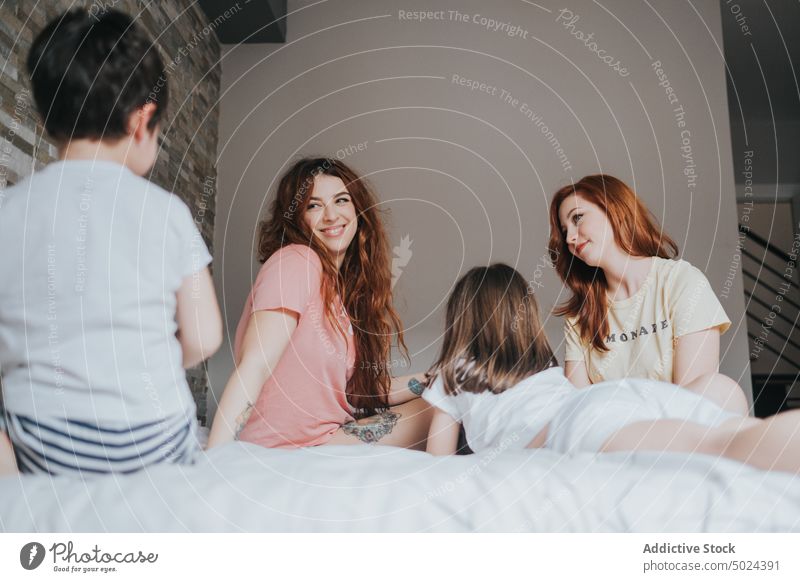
303,403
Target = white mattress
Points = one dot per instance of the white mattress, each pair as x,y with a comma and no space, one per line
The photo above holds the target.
243,487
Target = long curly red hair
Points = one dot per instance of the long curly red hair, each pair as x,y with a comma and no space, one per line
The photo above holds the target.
637,233
364,281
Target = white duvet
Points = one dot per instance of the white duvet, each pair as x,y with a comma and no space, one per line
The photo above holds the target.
243,487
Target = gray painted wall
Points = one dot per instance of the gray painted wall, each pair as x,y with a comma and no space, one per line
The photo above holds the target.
467,174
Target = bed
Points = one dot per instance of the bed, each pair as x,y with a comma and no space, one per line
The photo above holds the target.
245,488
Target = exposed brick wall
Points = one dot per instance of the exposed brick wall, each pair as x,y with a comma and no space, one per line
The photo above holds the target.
186,162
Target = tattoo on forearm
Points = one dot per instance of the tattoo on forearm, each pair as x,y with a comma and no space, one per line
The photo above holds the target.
241,420
415,386
373,431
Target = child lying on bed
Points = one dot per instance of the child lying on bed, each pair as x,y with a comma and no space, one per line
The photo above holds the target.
497,376
106,296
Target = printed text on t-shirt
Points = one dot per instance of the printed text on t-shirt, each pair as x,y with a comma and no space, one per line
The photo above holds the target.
634,334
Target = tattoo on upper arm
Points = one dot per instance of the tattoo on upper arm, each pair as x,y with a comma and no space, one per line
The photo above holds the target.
241,420
415,386
374,431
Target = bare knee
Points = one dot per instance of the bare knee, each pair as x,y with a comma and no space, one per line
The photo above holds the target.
722,390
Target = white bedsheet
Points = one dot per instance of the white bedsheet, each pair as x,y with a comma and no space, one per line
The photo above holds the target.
243,487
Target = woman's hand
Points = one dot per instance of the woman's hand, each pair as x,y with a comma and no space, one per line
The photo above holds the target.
265,340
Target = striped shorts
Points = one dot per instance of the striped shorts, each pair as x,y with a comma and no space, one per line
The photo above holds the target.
61,446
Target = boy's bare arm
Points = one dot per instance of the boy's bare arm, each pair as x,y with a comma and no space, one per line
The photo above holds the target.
199,319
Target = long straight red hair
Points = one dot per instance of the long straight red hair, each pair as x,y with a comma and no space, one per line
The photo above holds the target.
636,232
364,281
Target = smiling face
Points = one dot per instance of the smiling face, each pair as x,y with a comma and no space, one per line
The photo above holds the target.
331,215
587,231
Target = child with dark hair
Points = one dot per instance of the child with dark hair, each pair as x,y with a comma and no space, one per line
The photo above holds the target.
106,294
91,72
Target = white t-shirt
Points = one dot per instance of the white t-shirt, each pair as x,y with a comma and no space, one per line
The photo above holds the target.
675,300
509,420
92,258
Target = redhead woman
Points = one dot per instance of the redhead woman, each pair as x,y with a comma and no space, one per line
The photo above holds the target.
315,336
636,310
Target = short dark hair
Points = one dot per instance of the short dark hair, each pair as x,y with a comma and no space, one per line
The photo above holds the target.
89,72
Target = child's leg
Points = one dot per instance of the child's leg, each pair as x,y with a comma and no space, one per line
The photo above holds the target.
771,444
8,464
721,390
666,435
405,425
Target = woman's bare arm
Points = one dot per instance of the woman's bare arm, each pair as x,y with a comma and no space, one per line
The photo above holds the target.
696,354
406,388
265,340
577,374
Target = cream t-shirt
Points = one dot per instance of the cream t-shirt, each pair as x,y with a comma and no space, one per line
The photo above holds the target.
675,300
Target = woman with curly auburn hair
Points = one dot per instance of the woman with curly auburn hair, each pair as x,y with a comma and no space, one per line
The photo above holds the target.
636,310
315,337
